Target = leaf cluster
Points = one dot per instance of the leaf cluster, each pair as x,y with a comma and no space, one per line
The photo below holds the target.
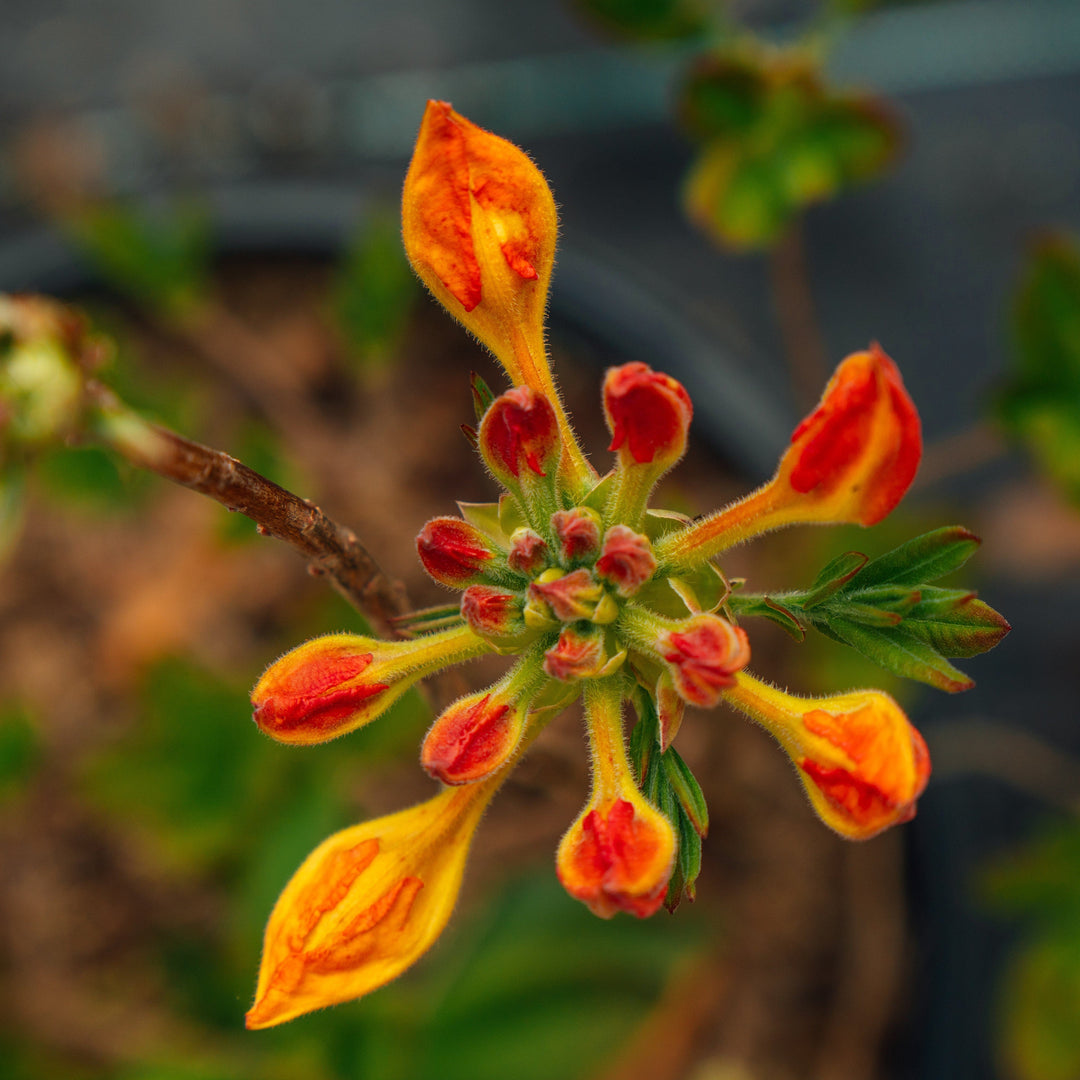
1040,405
668,783
776,139
885,608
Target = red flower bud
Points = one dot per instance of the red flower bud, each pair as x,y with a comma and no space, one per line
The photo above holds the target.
571,596
703,655
519,431
648,414
578,531
454,552
528,552
492,613
618,857
474,737
575,655
627,559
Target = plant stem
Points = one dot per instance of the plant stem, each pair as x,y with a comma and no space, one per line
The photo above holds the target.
328,547
803,344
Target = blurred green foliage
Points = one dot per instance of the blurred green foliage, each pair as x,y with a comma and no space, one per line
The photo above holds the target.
1040,406
1040,1002
160,259
20,749
374,293
229,810
775,139
649,20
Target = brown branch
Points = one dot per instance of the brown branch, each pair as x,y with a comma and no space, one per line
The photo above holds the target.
807,357
328,547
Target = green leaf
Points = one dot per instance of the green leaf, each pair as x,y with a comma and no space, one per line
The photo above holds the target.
160,259
783,618
649,20
898,650
375,290
20,749
776,139
833,577
482,395
926,558
956,623
687,790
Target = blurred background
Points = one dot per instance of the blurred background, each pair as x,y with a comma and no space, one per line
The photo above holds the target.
748,192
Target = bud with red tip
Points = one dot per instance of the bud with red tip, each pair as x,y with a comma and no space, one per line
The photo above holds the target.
578,532
577,595
850,462
529,552
861,762
494,614
627,559
478,734
340,682
576,655
648,414
456,553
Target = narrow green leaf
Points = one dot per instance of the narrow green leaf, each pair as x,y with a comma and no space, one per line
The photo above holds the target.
833,577
903,653
482,395
687,791
862,613
956,628
922,559
783,618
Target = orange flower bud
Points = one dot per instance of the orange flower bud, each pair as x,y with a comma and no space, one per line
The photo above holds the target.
578,531
454,552
627,559
364,905
478,734
618,856
340,682
857,452
648,414
850,462
479,225
519,432
861,762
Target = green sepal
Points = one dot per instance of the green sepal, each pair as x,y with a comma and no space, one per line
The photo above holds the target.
687,791
487,517
482,395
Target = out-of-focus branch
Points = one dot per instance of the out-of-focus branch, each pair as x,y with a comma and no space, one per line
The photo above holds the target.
328,547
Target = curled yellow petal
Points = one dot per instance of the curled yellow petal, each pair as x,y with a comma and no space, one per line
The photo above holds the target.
365,904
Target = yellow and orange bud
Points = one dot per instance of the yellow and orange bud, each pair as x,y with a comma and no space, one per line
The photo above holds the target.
627,559
480,226
339,682
476,735
619,853
862,763
648,415
364,905
617,856
455,552
850,462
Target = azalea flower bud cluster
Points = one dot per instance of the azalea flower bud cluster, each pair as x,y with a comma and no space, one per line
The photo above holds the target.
594,595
